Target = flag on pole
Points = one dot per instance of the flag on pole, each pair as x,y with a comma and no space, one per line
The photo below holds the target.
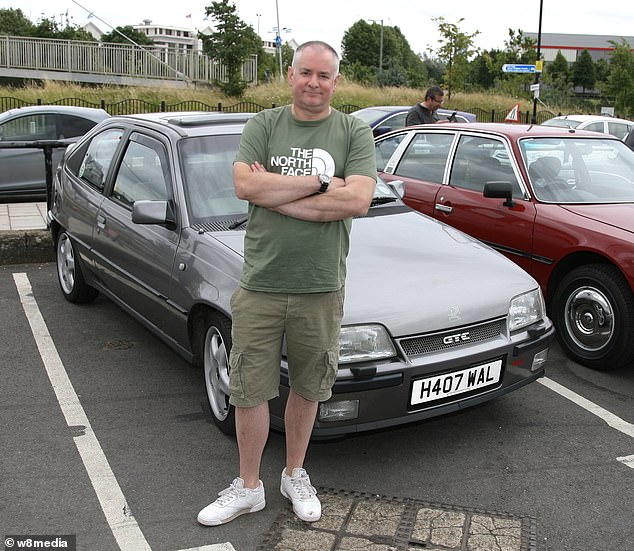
514,114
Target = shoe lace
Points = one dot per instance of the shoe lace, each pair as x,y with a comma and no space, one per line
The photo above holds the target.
230,494
303,488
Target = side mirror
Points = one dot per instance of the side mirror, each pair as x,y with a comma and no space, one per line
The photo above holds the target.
398,187
154,212
500,190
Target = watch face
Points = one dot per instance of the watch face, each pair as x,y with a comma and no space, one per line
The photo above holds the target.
324,178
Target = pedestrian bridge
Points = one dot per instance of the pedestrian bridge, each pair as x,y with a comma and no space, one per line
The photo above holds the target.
115,64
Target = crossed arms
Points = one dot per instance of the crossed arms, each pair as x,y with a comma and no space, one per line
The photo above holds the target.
297,196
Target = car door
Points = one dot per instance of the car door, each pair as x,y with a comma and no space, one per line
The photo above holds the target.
136,260
23,169
461,203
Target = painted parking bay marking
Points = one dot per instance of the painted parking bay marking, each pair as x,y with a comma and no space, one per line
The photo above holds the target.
612,420
122,523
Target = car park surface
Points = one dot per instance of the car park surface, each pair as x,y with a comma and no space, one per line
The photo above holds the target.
23,175
144,211
556,201
384,118
596,123
532,453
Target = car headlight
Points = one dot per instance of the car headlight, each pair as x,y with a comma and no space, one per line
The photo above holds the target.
526,309
362,343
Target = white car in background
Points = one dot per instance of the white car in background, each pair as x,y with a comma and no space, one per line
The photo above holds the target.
597,123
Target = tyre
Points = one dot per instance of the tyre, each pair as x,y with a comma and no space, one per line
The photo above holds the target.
216,345
593,311
69,272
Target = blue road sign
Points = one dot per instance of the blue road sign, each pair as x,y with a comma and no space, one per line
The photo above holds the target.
513,68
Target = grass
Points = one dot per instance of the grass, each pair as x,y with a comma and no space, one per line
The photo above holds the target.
265,94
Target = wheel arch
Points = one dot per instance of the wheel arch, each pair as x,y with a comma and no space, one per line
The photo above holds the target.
196,318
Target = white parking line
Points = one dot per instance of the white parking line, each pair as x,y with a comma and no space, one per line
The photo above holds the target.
612,420
122,523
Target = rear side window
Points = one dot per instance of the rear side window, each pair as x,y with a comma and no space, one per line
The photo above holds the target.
71,126
91,162
426,157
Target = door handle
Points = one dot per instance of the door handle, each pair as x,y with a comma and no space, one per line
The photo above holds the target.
101,222
444,208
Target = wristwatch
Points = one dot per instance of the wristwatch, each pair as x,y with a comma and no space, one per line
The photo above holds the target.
324,180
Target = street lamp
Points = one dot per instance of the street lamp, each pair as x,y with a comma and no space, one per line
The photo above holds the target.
258,15
278,40
539,45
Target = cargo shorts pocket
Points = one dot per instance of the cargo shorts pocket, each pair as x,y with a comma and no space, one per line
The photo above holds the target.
330,366
236,375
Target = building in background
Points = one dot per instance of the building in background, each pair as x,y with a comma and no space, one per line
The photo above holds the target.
571,45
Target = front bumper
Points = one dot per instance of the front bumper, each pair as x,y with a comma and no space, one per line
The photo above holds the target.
382,392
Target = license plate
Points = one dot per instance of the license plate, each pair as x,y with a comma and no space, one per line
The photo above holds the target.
458,382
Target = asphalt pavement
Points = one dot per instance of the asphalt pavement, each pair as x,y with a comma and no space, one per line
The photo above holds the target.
352,519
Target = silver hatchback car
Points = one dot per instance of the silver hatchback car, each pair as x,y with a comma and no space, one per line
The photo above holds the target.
144,211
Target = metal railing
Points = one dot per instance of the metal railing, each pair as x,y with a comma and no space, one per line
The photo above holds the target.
77,57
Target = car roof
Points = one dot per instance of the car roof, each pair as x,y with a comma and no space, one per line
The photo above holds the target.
588,118
186,123
91,113
512,130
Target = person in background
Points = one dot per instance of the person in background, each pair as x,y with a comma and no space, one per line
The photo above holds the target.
306,170
425,112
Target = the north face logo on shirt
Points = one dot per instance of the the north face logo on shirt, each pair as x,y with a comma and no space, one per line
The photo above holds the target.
304,162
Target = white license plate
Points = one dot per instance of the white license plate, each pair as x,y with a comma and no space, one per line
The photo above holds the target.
450,384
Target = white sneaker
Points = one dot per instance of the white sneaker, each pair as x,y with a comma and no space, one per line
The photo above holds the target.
236,500
297,488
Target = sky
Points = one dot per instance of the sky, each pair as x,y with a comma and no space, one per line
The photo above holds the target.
329,19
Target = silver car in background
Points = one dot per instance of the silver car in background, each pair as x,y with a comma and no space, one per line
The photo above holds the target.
23,175
144,211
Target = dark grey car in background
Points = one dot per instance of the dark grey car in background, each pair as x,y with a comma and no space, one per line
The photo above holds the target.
144,211
22,173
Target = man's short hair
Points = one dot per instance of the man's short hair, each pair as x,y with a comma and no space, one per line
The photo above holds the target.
434,92
317,44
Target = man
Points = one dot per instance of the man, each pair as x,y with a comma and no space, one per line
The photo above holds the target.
306,170
425,112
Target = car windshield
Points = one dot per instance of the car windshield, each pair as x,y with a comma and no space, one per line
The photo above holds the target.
371,115
562,123
579,170
208,179
207,163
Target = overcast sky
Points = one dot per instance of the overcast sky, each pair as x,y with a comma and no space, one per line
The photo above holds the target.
329,19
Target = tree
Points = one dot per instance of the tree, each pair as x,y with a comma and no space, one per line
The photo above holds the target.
557,79
390,59
455,50
126,34
583,72
15,23
621,78
231,43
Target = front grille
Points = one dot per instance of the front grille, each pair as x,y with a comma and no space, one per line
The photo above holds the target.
454,338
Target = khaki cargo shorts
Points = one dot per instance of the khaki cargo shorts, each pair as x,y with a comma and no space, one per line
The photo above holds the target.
311,323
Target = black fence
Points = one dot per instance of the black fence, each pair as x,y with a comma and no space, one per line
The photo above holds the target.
130,106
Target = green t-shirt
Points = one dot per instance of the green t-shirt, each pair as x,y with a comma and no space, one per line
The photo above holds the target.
284,254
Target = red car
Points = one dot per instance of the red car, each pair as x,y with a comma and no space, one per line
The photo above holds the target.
559,202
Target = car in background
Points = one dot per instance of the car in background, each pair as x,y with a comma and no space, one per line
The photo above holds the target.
23,174
384,118
596,123
559,202
629,140
144,211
